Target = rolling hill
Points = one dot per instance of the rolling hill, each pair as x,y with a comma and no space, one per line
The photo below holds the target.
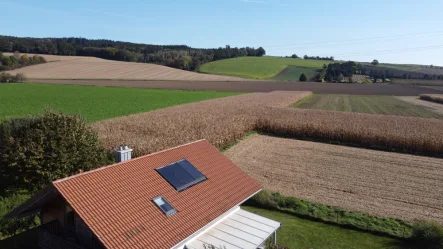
77,67
260,67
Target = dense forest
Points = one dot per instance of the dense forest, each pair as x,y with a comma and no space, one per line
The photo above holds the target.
16,61
177,56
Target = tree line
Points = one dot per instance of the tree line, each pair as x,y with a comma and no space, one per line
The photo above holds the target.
16,61
306,57
337,72
177,56
343,72
318,58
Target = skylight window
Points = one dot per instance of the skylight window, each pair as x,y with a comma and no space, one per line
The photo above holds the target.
181,175
164,205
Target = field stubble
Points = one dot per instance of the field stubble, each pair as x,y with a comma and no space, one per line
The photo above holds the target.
375,182
223,121
78,67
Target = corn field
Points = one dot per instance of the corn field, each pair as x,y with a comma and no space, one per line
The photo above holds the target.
438,98
223,121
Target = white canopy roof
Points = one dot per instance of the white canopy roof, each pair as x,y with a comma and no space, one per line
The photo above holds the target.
241,229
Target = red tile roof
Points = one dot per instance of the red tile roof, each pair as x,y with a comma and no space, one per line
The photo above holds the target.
116,201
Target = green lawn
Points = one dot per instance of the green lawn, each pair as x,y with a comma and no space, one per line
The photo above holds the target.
387,105
92,102
298,233
292,73
258,67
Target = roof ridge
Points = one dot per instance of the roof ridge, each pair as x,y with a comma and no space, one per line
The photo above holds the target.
117,164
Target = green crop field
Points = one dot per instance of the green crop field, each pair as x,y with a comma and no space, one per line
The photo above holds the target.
292,73
92,102
258,67
302,233
365,104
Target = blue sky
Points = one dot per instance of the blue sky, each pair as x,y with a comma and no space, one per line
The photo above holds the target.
394,31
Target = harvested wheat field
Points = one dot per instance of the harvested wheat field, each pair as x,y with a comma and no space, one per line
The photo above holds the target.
380,183
95,68
222,121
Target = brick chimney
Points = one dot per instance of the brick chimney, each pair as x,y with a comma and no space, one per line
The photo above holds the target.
123,153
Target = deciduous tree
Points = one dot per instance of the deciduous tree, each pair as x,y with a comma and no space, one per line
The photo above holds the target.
37,150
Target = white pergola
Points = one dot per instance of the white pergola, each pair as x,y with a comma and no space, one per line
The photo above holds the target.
241,229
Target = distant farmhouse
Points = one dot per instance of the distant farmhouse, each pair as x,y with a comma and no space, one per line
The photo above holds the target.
184,197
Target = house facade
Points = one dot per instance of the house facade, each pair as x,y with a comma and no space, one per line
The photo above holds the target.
184,197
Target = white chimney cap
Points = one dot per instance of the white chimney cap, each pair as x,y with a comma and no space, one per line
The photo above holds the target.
123,153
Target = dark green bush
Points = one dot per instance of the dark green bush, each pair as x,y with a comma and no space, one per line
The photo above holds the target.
11,227
37,150
427,235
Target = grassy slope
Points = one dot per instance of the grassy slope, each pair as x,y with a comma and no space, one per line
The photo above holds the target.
302,233
94,103
366,104
257,67
292,73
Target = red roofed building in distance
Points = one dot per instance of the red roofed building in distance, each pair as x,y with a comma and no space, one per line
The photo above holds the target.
184,197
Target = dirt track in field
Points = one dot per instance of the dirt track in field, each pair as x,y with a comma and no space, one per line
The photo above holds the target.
258,86
94,68
380,183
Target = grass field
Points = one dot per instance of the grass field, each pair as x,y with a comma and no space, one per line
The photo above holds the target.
367,104
292,73
258,67
94,103
301,233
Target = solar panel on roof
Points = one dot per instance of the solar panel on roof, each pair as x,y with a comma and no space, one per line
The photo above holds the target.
181,175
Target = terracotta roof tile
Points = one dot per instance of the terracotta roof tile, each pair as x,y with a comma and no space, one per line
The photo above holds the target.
116,201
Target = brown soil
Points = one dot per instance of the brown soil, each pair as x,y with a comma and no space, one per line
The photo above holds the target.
418,82
258,86
380,183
